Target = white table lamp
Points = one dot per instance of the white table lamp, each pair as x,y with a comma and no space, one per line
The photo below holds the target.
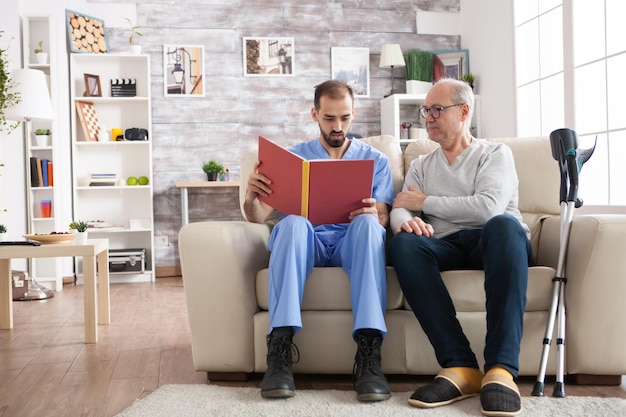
34,104
391,56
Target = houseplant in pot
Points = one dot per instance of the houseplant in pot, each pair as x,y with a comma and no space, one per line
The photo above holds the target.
212,169
419,71
42,57
134,31
80,230
3,232
42,137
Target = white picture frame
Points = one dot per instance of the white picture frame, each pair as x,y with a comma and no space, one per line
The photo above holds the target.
183,70
351,65
268,56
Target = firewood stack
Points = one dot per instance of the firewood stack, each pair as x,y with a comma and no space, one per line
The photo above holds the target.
87,34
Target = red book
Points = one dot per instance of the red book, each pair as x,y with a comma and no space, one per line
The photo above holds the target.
323,190
50,178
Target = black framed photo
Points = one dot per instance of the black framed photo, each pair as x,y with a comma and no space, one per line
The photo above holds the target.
92,86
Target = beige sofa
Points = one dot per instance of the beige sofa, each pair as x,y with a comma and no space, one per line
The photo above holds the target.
225,278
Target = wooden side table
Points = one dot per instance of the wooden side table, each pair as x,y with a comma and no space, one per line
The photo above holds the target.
184,194
96,294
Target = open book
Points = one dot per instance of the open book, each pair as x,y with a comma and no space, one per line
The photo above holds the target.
323,190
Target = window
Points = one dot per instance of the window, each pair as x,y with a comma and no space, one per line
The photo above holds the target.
570,61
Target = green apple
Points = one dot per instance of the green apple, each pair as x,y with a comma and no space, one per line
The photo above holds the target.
143,180
131,181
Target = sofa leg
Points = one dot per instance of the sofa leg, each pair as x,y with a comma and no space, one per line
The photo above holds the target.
587,379
227,376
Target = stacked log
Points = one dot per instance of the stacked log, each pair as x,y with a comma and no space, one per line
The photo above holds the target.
87,34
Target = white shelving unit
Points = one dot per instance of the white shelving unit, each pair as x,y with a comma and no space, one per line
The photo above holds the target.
399,108
126,209
47,271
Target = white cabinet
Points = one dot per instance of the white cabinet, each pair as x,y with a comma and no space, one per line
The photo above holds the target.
44,156
404,108
120,212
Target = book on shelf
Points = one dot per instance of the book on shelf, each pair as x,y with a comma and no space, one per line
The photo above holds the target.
50,170
323,190
44,172
39,173
34,178
102,179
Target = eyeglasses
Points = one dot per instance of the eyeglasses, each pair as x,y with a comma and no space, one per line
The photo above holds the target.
436,111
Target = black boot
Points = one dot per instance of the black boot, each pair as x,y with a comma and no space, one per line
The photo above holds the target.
369,382
278,379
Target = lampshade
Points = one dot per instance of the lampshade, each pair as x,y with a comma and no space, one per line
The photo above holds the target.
391,56
34,96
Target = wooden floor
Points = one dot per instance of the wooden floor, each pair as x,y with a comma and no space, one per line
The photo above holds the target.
47,370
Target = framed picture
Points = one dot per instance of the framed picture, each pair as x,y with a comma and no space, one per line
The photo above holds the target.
268,57
183,70
86,34
450,64
88,120
92,86
352,66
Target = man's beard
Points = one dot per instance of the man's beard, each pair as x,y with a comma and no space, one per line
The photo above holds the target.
332,142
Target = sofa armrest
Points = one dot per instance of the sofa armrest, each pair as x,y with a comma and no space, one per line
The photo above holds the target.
219,263
595,269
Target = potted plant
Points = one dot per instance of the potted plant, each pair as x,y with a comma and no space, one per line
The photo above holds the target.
3,232
134,31
469,78
42,57
8,96
80,230
419,71
42,136
212,169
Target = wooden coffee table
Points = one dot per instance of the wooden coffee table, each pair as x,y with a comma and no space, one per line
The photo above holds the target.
96,293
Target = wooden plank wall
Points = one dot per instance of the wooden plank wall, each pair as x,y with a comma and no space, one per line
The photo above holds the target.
225,123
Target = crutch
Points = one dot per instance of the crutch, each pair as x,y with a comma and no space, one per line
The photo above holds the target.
564,143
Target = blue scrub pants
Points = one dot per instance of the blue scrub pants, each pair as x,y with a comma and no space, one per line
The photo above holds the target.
502,249
359,248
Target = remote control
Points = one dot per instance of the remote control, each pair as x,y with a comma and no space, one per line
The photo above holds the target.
19,243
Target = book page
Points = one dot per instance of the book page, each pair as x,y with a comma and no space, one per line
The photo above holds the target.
284,168
337,187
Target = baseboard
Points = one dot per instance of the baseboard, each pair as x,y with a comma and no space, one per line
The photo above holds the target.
587,379
227,376
168,271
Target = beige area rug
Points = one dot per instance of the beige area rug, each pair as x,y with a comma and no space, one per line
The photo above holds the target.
213,400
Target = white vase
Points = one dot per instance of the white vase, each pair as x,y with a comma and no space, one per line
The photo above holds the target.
42,140
135,49
80,238
418,87
42,58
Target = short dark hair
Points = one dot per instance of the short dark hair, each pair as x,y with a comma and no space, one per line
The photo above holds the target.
334,89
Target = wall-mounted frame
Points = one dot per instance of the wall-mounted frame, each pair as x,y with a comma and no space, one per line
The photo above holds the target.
183,70
92,86
86,34
352,66
268,57
450,64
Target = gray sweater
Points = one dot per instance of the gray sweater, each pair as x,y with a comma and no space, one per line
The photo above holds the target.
479,184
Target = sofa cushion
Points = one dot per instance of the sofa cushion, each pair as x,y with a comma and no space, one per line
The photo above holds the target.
328,289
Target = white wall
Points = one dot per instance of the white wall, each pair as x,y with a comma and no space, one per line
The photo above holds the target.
487,31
